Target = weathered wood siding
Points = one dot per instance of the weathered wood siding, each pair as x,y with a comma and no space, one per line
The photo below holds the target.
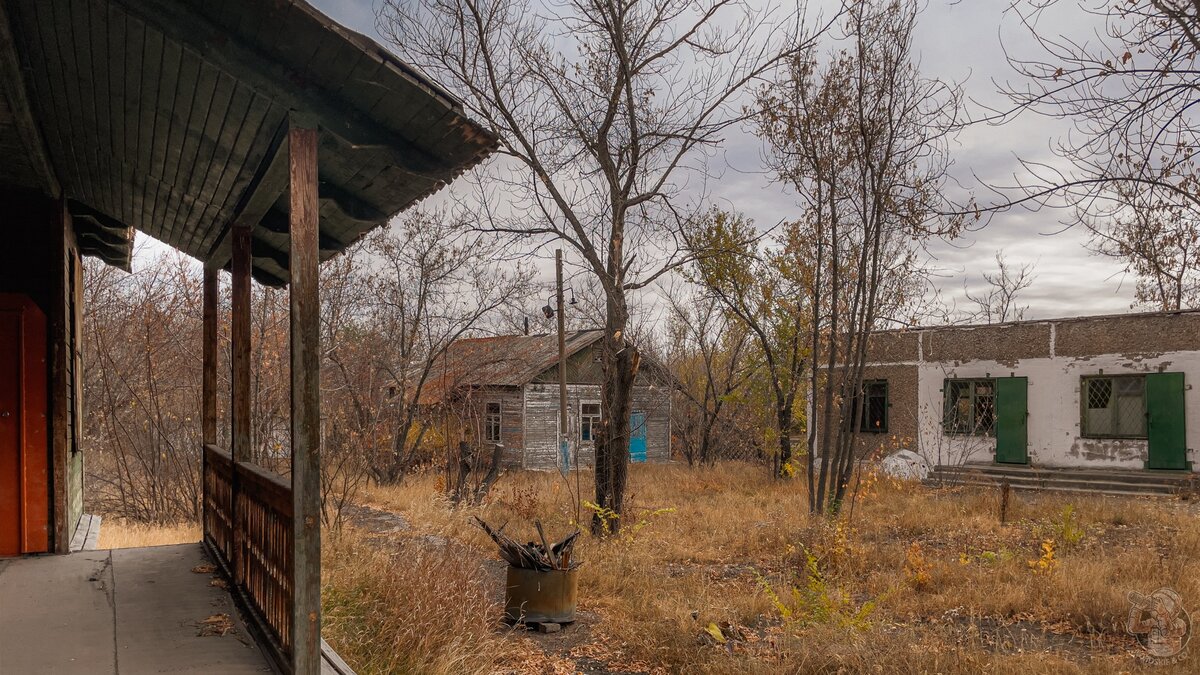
541,422
42,262
473,411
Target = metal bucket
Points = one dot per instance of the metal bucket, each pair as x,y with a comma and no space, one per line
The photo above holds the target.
533,596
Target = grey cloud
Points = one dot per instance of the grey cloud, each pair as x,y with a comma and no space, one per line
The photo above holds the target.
957,41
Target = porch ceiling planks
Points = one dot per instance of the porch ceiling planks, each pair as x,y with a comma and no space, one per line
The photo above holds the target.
165,116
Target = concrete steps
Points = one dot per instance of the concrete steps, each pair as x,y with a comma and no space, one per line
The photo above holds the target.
1102,481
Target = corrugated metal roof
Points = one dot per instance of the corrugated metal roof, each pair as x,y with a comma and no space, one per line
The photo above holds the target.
503,360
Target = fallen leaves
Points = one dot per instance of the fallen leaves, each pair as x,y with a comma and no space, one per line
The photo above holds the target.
216,624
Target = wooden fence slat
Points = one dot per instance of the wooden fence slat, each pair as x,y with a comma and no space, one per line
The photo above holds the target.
259,552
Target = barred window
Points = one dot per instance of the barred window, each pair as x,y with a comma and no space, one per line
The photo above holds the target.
589,420
970,407
1113,406
491,423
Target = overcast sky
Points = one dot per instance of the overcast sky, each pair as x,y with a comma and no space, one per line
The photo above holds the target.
958,41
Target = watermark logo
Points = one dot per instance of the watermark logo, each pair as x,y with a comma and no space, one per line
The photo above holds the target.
1160,624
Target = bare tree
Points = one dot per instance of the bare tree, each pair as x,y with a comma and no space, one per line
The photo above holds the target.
1128,170
997,302
141,334
710,357
434,282
1157,241
861,137
603,108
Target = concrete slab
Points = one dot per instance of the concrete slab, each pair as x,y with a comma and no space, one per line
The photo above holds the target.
127,611
160,612
56,614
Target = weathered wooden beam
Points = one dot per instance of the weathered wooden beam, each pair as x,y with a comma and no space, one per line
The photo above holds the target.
210,349
102,236
261,249
278,223
58,326
349,206
306,407
262,276
208,384
239,408
266,187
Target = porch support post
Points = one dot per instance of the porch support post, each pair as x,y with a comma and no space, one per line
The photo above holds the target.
240,404
208,384
208,424
306,409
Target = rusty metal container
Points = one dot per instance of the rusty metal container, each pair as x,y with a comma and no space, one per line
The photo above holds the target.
534,596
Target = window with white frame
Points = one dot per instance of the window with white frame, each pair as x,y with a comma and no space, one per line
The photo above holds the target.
589,420
491,422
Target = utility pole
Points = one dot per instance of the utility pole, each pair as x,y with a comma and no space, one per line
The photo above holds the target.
564,455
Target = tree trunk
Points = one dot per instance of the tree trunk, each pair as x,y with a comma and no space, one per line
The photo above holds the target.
620,362
784,419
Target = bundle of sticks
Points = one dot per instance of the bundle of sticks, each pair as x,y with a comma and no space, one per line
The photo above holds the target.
534,555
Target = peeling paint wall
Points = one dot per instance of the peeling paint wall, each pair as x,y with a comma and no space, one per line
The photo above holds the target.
1054,409
1053,355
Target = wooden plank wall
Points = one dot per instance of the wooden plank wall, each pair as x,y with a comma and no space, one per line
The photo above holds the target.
74,479
41,259
468,418
541,422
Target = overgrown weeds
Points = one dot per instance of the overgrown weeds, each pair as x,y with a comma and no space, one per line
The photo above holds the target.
916,581
118,533
410,608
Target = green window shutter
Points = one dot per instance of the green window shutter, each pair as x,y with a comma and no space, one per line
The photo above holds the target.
1165,421
1012,432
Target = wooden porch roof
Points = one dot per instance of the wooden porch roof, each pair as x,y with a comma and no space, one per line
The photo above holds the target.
168,116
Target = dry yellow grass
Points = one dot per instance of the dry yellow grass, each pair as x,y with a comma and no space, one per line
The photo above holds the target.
117,533
710,547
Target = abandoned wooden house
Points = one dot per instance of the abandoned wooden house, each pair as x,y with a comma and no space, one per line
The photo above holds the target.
255,136
505,390
1094,393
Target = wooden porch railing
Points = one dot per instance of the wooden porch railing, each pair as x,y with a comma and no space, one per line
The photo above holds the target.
248,527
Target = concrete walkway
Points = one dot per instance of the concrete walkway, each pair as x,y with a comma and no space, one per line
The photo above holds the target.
126,611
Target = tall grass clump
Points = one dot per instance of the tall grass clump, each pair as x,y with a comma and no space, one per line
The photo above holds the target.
408,607
118,533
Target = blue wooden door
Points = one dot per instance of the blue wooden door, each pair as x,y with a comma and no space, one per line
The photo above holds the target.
637,437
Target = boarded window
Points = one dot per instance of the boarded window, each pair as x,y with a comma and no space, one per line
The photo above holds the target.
1114,406
491,423
589,420
970,406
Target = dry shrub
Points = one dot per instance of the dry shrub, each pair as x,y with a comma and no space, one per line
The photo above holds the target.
118,533
409,607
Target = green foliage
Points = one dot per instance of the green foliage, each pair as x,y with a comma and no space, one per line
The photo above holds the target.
1068,530
1064,529
986,557
607,516
811,600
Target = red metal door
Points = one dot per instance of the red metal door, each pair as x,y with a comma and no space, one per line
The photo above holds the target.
24,478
